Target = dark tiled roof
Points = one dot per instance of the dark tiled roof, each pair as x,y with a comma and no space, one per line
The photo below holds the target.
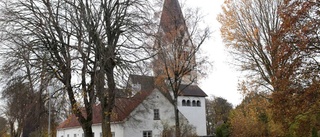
192,90
123,108
146,82
171,17
122,93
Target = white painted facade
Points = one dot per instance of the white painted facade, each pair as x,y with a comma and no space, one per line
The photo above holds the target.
96,128
195,114
142,119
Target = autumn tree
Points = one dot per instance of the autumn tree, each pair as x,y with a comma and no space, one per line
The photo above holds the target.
299,29
90,41
247,28
217,112
274,61
253,117
301,23
177,43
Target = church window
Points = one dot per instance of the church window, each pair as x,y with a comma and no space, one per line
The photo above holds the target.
147,133
184,103
198,103
194,103
156,114
188,103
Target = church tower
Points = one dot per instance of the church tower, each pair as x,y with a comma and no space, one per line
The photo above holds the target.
174,45
176,54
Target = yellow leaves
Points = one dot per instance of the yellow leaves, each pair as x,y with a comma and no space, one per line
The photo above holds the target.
275,129
75,107
254,118
111,114
160,82
297,110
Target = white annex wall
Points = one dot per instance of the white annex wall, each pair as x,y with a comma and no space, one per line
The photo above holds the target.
196,115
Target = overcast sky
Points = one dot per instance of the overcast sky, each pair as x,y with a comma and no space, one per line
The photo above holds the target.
222,81
223,78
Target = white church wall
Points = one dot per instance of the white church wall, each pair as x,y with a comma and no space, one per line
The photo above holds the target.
142,118
70,132
116,128
196,115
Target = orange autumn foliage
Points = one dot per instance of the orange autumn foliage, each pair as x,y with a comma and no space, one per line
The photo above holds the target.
277,43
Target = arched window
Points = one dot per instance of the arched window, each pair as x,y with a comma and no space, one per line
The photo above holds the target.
194,103
184,103
198,103
188,103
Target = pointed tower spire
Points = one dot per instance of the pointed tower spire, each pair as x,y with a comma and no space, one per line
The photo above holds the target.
174,44
171,18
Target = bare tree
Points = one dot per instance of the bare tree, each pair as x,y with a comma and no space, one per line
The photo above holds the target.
19,103
177,43
41,27
83,44
116,32
17,66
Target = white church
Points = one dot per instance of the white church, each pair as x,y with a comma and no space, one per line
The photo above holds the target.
148,112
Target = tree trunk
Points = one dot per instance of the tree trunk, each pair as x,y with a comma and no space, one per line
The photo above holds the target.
177,121
107,103
104,97
106,117
87,130
110,99
86,123
106,110
106,124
